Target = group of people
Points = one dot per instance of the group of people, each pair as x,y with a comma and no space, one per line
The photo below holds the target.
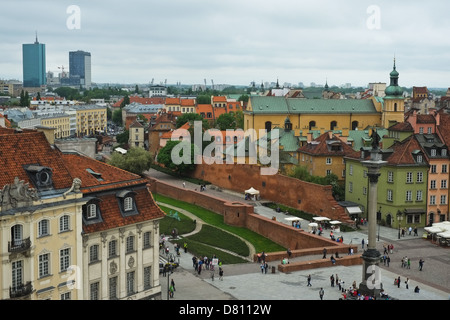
207,263
409,230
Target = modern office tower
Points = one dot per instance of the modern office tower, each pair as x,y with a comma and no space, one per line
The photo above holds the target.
80,67
33,55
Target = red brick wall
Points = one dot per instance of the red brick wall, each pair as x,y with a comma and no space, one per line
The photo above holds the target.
242,215
309,197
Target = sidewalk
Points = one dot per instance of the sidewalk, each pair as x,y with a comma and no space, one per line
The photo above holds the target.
245,281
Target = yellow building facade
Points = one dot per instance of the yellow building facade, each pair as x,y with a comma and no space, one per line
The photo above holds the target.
60,123
90,119
321,115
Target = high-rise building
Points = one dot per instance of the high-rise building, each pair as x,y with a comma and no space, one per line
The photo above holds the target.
80,67
33,55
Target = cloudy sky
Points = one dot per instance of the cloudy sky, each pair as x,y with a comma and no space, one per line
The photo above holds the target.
235,41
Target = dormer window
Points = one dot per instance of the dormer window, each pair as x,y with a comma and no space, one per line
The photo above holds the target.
127,203
91,211
40,176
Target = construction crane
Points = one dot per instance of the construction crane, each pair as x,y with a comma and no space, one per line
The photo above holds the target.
63,75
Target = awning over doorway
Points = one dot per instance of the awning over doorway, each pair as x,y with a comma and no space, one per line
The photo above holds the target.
414,210
353,210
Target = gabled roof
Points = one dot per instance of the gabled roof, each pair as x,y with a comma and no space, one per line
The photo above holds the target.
30,147
112,217
426,118
172,101
403,152
322,146
188,102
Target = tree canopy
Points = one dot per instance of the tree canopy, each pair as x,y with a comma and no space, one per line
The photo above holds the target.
178,156
136,160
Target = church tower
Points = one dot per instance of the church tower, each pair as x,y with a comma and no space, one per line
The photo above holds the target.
394,102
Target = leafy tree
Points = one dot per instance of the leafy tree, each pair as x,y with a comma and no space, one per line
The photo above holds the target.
191,117
123,137
117,117
136,160
243,98
226,121
125,101
178,148
204,99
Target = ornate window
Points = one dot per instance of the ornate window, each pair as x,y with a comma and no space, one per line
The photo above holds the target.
43,228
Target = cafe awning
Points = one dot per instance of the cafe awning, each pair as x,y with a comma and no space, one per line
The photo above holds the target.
414,210
353,210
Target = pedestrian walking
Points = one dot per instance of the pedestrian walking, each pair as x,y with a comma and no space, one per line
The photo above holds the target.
362,244
184,184
220,273
172,283
185,245
409,230
398,282
266,266
407,283
415,231
321,293
408,264
309,281
388,260
324,253
421,262
262,267
332,280
171,291
289,252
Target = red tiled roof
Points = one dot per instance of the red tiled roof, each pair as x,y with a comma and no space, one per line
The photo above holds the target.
403,151
112,177
188,102
219,99
171,101
402,126
444,127
425,118
112,217
30,147
319,146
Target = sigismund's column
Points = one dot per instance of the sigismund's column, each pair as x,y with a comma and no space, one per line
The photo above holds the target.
371,275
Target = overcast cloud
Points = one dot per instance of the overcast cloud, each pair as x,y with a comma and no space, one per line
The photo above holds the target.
236,41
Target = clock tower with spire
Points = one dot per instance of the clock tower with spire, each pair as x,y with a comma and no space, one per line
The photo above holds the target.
394,102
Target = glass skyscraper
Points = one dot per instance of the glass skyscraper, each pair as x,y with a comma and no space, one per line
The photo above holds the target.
80,67
33,55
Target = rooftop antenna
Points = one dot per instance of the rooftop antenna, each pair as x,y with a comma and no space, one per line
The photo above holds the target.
36,38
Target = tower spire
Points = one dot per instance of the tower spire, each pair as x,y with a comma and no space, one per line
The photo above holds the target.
36,38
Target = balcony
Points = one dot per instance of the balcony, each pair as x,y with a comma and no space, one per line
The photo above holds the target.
20,291
18,246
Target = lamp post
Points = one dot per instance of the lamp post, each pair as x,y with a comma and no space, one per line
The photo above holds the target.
371,282
378,222
399,219
169,271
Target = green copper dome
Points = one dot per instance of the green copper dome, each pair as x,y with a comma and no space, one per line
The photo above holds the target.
394,90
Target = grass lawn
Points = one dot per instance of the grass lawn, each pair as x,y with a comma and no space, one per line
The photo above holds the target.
259,242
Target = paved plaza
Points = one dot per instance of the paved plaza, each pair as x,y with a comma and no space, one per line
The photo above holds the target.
246,282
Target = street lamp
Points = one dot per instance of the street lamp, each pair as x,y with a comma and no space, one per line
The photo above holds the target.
169,271
378,221
399,219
